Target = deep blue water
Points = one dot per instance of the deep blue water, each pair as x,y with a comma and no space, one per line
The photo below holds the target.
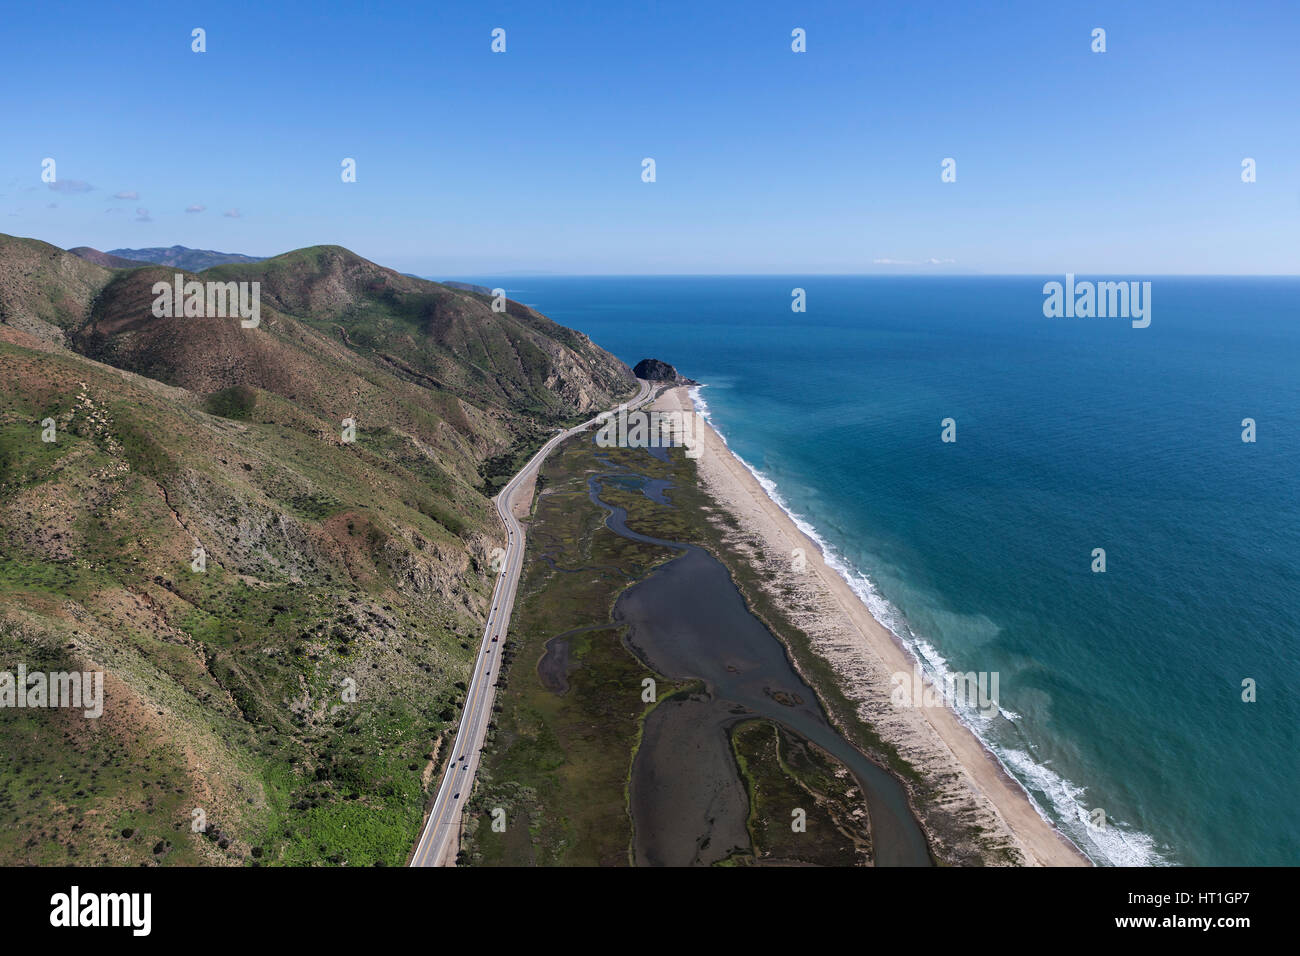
1119,690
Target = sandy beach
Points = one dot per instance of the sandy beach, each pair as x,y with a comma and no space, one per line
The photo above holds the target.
967,784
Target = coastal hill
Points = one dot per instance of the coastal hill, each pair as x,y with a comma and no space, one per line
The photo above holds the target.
276,543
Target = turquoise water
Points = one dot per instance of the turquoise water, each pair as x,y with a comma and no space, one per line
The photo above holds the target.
1119,690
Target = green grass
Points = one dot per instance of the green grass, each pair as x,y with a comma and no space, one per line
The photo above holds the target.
24,458
69,787
142,450
783,774
236,402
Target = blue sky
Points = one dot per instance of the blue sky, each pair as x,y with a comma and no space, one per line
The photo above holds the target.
470,162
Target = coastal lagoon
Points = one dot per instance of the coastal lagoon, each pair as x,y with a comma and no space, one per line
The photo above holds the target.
688,621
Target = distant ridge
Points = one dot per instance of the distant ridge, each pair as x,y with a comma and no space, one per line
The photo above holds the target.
106,259
181,257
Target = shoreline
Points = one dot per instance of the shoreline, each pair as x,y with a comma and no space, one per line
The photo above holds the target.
967,785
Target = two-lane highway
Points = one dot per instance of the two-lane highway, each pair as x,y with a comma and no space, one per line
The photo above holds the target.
438,841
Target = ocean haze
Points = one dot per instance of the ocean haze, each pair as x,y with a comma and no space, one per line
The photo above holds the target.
1120,691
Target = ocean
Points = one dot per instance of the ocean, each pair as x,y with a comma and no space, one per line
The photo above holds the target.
1120,692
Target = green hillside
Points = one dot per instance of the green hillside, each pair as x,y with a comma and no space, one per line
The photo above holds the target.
297,691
